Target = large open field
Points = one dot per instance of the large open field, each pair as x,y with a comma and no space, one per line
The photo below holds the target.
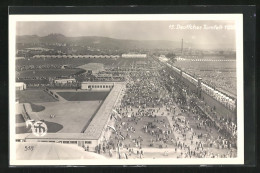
83,96
48,73
72,116
58,62
34,96
64,61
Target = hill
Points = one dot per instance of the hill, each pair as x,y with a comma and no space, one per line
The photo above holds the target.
98,42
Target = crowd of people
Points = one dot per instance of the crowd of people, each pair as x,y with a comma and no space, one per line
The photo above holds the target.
226,126
144,90
156,115
227,100
221,75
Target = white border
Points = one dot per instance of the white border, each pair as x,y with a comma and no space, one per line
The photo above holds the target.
238,18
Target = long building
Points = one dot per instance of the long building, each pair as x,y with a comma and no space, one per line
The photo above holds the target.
95,86
134,55
75,56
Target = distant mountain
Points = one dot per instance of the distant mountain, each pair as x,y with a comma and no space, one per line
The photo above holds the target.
100,42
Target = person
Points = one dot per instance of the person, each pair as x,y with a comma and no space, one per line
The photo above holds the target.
110,153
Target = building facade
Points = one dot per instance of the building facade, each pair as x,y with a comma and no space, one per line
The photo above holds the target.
97,86
20,86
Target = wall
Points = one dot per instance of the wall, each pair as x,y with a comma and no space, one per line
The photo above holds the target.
220,108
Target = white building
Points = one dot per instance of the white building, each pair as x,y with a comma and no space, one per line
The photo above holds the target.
20,86
134,56
97,86
64,81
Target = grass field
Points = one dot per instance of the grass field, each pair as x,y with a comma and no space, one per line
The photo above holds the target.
34,96
22,129
70,117
140,132
48,73
37,108
19,118
83,96
52,128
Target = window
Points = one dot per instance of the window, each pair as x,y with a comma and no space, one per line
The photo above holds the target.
89,86
88,142
73,142
65,142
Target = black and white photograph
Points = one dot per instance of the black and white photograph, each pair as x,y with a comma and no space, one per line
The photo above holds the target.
126,89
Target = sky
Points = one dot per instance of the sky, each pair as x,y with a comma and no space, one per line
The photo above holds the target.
214,34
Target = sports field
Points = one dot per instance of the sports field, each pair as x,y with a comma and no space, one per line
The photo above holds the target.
83,96
34,96
72,116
